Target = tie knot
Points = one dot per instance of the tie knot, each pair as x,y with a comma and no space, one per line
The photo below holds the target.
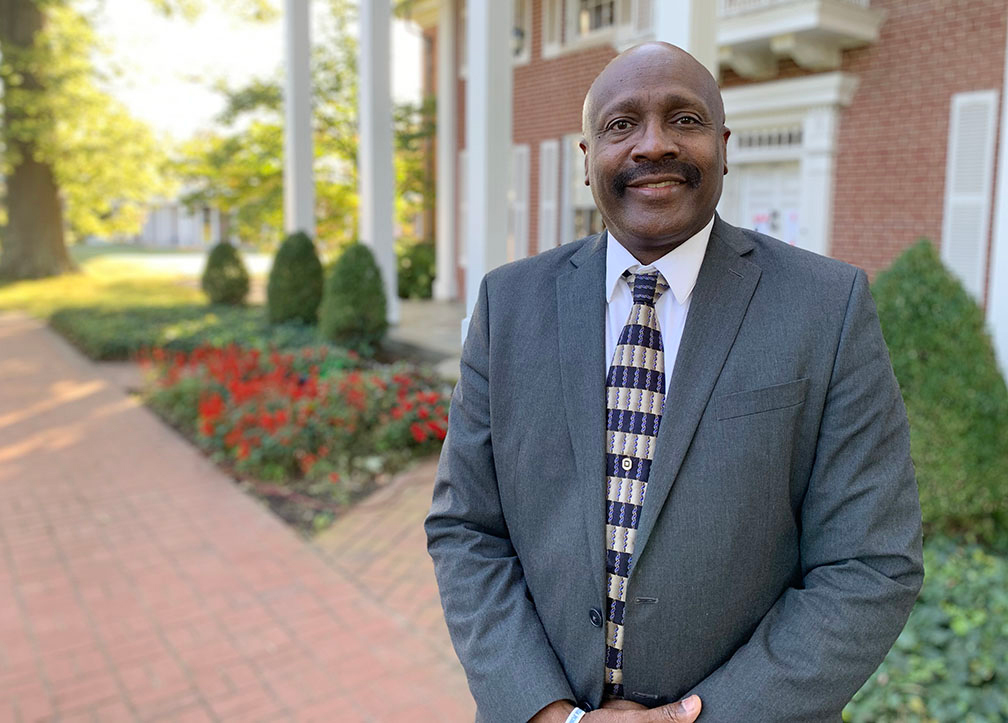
646,288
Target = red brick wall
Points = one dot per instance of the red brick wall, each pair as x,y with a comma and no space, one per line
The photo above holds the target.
891,151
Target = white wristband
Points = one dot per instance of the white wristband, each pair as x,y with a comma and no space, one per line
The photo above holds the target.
575,715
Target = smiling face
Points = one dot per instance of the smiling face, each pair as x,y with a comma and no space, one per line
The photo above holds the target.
655,146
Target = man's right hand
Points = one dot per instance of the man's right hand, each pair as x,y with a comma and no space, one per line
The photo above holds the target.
685,711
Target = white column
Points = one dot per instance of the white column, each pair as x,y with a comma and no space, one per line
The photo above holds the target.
447,141
818,150
690,24
488,138
997,284
377,175
299,178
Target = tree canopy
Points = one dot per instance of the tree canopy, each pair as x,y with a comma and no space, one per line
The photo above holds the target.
74,161
239,168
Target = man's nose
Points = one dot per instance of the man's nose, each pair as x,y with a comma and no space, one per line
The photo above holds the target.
656,140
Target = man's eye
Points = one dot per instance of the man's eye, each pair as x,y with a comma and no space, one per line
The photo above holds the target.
619,125
686,120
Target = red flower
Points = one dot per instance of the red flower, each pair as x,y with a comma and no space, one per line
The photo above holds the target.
436,429
423,412
418,432
211,407
334,477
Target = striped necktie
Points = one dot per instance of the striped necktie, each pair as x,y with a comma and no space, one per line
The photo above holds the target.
635,394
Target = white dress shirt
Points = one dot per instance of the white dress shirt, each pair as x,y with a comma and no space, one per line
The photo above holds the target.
680,267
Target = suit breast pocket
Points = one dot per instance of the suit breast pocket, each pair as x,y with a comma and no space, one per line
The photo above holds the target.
754,401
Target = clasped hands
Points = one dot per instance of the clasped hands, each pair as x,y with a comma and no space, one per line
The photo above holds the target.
625,711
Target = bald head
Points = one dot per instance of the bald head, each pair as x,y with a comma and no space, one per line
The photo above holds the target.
628,65
655,147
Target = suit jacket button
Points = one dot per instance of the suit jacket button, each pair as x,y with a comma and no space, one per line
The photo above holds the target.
595,615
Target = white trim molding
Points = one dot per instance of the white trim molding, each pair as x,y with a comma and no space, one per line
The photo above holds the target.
777,96
997,289
793,120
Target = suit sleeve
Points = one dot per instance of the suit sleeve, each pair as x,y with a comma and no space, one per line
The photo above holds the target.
511,667
860,550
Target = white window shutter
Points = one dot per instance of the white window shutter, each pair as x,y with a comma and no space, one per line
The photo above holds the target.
518,204
969,187
549,193
463,207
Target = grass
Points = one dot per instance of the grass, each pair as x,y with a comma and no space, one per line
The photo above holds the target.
125,299
105,281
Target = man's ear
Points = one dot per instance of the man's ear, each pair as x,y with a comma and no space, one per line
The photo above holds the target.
583,144
724,149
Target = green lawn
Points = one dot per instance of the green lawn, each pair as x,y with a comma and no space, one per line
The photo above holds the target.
112,280
127,299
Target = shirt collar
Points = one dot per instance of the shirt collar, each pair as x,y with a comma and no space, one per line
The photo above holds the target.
680,266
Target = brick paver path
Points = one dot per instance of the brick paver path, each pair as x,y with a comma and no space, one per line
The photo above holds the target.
138,583
382,545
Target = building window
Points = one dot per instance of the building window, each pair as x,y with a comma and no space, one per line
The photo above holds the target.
568,25
518,204
583,217
521,33
593,15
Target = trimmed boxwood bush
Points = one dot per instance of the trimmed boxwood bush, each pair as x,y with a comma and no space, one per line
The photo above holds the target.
225,278
955,396
353,305
951,661
416,269
294,289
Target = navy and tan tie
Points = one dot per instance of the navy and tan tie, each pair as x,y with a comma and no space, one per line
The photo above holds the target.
635,392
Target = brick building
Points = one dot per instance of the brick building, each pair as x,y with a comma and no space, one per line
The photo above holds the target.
858,126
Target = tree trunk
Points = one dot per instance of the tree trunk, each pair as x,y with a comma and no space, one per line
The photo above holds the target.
32,244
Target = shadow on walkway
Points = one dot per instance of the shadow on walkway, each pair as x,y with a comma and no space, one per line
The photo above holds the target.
146,586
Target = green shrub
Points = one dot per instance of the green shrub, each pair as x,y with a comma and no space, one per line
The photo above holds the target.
225,279
295,281
951,661
107,334
955,396
417,265
353,305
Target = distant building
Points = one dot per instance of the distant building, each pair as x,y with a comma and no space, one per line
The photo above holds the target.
172,224
858,126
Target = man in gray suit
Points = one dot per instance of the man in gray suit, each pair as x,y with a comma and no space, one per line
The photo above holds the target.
776,553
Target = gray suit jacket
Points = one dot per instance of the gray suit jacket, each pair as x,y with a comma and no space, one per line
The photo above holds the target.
779,547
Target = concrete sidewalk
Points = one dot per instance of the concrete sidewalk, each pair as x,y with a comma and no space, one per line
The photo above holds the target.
141,584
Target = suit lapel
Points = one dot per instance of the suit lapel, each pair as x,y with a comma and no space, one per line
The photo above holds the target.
581,317
720,298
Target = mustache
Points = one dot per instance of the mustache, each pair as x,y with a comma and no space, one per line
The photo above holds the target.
665,167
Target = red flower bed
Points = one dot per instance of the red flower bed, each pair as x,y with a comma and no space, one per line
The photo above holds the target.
316,415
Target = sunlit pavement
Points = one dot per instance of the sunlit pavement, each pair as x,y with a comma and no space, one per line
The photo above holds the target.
141,584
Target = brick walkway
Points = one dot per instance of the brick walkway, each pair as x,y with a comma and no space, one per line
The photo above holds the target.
140,584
